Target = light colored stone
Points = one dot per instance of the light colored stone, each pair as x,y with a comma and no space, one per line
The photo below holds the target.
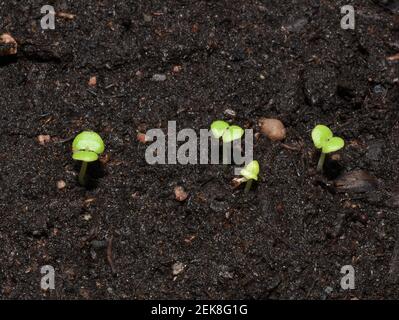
8,45
178,268
159,77
43,139
180,194
141,137
273,128
93,81
61,184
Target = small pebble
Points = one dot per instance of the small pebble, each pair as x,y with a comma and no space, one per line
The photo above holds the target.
177,268
273,128
8,45
43,139
159,77
328,290
226,272
395,57
177,69
89,200
66,15
379,89
61,184
147,17
141,137
180,194
230,113
93,81
336,157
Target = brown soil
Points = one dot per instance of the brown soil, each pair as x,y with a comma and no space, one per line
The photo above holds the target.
288,238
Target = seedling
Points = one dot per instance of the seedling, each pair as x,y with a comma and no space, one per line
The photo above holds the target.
86,147
324,139
249,174
228,133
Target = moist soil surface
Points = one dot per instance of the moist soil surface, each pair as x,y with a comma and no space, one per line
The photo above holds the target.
122,236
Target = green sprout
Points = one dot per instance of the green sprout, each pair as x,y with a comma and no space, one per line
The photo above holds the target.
86,147
249,174
324,139
228,133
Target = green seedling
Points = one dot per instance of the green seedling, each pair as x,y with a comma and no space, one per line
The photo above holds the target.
249,174
324,139
228,133
86,147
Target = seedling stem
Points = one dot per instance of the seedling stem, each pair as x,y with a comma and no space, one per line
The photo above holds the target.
248,186
320,164
82,173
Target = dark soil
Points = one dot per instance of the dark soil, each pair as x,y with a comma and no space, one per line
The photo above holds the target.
288,238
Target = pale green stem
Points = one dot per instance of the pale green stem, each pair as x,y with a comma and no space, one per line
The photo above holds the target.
320,164
82,173
248,186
